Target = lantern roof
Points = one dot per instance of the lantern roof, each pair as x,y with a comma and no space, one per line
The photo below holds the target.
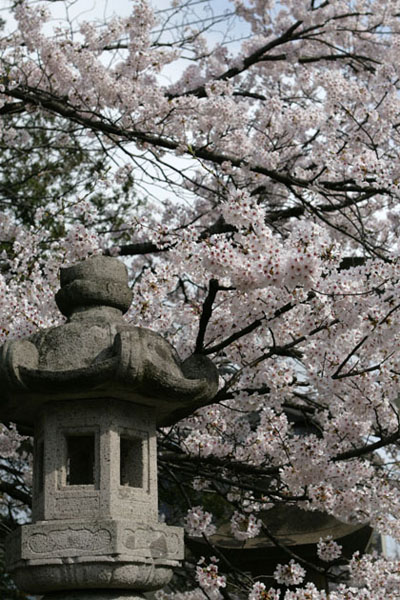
96,353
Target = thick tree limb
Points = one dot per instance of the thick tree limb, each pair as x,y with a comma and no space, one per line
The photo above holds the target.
12,108
139,248
357,452
247,62
15,493
206,314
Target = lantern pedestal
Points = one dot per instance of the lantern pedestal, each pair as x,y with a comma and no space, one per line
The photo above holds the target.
117,554
94,595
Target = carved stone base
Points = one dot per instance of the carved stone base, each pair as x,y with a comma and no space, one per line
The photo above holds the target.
94,595
60,555
93,574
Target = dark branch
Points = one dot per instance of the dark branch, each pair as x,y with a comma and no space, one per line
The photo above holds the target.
11,108
206,314
357,452
251,327
139,248
337,374
96,123
180,459
15,493
252,59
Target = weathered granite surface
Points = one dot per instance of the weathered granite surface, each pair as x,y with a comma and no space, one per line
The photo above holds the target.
94,389
95,595
105,428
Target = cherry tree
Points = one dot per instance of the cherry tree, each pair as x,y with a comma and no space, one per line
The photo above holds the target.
262,140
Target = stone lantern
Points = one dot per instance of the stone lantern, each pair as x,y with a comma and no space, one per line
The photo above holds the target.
93,390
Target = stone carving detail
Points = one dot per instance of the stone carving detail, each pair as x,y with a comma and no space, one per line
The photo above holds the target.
152,541
129,539
70,539
97,574
174,545
158,547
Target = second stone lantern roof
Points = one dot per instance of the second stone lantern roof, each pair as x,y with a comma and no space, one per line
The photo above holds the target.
98,354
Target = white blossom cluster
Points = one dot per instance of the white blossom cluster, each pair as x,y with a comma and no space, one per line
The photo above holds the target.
10,441
209,578
260,592
245,526
198,522
289,574
328,550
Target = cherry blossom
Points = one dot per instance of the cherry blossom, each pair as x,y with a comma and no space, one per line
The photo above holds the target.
245,526
289,574
260,592
252,190
10,441
198,522
328,550
209,579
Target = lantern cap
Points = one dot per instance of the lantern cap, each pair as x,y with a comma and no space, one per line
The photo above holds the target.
97,354
98,281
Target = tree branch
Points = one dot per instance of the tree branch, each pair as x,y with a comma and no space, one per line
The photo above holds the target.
98,123
247,62
337,374
357,452
15,493
139,248
206,314
251,327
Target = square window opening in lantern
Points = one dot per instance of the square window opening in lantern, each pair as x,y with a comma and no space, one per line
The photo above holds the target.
80,459
131,462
